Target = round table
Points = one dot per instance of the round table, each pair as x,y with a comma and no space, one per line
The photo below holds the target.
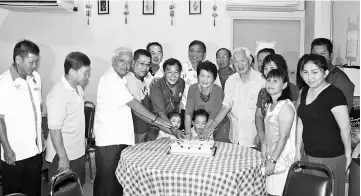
148,169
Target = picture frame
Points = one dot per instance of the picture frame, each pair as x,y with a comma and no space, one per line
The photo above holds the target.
148,7
103,6
195,7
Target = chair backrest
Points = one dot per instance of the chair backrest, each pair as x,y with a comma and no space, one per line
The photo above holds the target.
66,183
16,194
89,111
300,183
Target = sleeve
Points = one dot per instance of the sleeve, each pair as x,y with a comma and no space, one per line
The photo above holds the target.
228,88
56,108
4,99
338,98
133,88
156,96
347,87
219,95
113,92
259,98
191,100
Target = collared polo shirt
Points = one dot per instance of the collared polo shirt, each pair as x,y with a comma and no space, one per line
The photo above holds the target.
65,106
189,75
113,124
20,107
241,98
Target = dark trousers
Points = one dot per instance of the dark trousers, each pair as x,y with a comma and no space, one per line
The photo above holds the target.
106,161
77,165
23,177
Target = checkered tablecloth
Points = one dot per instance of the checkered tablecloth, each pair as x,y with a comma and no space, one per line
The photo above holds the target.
148,169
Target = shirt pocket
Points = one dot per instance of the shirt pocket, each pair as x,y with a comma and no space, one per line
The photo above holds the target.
252,100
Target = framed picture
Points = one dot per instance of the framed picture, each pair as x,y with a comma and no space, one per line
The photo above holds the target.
103,6
148,7
195,6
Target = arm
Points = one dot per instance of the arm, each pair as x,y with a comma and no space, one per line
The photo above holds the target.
57,140
190,108
299,140
9,154
343,120
348,88
259,121
139,108
221,114
147,120
187,124
216,106
285,119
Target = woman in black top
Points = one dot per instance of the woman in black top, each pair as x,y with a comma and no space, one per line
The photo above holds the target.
324,124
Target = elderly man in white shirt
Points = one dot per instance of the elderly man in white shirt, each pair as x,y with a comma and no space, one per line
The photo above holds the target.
20,122
240,100
113,124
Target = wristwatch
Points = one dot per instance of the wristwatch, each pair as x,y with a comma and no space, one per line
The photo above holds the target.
272,161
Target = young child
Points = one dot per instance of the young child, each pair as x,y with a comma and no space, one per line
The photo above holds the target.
199,120
176,121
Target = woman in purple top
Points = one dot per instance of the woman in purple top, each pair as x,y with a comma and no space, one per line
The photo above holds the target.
324,124
208,96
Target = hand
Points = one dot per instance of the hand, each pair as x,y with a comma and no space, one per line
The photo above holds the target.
9,156
179,134
63,164
162,122
270,168
348,162
208,133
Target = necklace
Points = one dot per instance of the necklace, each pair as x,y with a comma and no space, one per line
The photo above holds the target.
204,97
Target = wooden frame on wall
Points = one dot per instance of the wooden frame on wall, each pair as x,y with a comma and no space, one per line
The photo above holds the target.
148,7
195,7
103,6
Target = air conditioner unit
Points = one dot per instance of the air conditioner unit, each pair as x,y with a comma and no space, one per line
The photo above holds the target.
265,5
39,5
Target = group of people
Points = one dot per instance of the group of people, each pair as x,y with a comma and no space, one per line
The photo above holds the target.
141,98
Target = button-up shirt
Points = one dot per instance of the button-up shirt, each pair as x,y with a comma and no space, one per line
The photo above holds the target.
241,98
20,108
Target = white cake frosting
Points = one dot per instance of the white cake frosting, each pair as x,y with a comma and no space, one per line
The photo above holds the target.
192,147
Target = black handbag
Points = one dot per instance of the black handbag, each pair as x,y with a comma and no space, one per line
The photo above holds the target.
66,183
301,183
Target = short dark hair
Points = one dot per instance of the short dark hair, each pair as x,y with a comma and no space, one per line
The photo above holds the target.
200,112
282,74
141,52
25,47
172,114
322,42
172,61
154,44
277,60
299,81
228,51
252,58
75,60
266,50
209,67
199,43
318,60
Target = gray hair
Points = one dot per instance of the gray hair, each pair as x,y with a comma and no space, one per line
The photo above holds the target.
246,51
121,51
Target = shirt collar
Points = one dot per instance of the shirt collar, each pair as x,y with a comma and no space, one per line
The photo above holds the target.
66,84
14,74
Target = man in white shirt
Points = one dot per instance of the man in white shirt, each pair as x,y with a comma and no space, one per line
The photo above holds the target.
113,124
156,70
20,122
240,98
66,120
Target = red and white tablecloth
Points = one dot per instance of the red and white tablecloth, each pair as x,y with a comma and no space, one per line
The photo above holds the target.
148,169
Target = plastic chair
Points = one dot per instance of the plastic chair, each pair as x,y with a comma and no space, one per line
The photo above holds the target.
16,194
89,111
66,183
299,183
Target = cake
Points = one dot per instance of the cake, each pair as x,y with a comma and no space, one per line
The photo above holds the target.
192,147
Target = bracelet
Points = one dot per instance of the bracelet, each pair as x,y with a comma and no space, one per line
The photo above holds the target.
156,117
272,161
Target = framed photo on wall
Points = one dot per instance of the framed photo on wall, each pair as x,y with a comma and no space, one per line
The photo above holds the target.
195,6
148,7
103,6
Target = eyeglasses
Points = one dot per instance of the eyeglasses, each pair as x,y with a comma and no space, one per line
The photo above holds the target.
143,64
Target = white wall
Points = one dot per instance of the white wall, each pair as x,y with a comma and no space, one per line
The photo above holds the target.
59,34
